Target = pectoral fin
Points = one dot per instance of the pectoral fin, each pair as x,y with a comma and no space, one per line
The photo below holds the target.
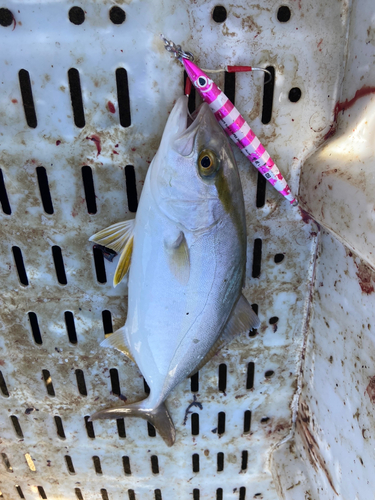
118,341
178,258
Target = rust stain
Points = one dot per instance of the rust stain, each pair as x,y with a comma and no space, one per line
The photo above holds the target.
304,427
365,278
95,138
370,389
111,107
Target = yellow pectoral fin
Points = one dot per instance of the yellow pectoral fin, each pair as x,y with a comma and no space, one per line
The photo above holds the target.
124,262
116,236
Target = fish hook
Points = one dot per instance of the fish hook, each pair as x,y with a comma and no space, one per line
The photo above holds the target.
176,50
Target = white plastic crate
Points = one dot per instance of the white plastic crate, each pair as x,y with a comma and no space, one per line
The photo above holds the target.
311,361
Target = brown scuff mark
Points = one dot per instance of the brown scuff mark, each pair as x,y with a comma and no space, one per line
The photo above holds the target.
95,138
364,275
370,389
303,426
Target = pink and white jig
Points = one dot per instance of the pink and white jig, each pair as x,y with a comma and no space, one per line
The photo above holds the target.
232,121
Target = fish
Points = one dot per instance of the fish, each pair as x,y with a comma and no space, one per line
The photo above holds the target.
185,253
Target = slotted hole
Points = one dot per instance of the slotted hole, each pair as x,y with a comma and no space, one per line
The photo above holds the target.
219,14
76,15
219,494
101,275
244,459
59,427
4,200
194,382
151,430
42,492
6,17
221,423
33,319
115,382
59,265
157,494
16,426
27,98
254,331
279,257
126,465
220,462
195,424
97,465
268,89
131,494
146,387
30,462
70,327
20,492
3,386
69,464
195,462
230,86
88,186
242,493
154,464
48,381
196,494
283,14
76,97
121,427
45,193
247,422
131,188
222,377
273,320
257,258
269,373
123,97
104,494
261,191
250,375
6,462
18,259
192,95
89,428
81,384
78,494
117,15
295,94
264,420
107,322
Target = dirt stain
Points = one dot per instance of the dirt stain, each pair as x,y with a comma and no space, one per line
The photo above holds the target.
370,389
365,278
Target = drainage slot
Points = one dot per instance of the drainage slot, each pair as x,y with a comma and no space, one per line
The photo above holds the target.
269,373
59,265
194,382
115,382
70,327
19,491
244,459
131,494
76,15
268,89
88,186
220,462
117,15
247,422
242,493
59,427
6,462
76,97
221,423
295,94
219,494
158,495
97,465
69,464
107,322
44,190
104,494
261,191
42,493
131,188
151,430
89,428
230,86
123,97
196,494
222,377
195,424
18,259
27,98
154,464
121,428
146,387
195,462
191,98
16,426
279,257
48,381
250,375
4,200
78,493
283,14
257,257
254,331
35,328
3,386
81,384
6,17
219,14
126,465
99,265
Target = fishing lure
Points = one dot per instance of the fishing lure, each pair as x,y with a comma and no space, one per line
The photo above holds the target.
232,121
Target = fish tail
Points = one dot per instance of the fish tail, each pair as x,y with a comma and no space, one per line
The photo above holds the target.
159,417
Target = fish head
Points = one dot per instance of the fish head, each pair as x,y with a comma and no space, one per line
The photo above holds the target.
194,176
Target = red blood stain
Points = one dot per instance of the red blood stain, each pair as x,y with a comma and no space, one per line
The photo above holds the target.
319,44
111,107
134,149
58,143
343,106
370,389
331,132
305,216
116,145
364,275
114,152
2,362
14,23
95,138
74,214
14,101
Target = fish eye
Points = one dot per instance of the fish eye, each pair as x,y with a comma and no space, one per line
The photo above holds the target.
207,163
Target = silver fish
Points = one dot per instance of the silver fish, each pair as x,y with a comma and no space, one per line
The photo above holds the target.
186,255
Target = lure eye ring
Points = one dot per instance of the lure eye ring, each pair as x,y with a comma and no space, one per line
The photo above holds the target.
207,163
202,82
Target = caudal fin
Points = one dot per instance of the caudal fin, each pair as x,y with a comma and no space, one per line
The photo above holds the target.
158,417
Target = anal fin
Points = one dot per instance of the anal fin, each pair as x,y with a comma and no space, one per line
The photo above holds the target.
117,340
